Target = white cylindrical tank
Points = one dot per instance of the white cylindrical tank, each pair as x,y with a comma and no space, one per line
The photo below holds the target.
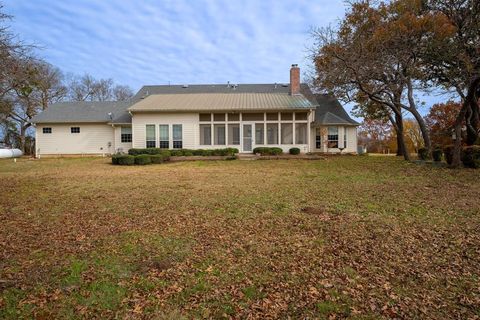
10,153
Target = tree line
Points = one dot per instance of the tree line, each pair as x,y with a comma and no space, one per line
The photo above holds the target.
382,54
29,84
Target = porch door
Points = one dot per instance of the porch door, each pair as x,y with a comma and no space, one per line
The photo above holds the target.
247,137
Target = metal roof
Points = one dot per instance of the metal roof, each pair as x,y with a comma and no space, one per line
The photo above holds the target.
331,112
84,111
221,101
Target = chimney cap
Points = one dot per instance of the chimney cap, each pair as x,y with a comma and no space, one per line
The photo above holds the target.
294,65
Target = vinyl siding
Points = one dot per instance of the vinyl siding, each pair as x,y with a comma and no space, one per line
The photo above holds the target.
351,140
189,122
92,139
119,146
191,131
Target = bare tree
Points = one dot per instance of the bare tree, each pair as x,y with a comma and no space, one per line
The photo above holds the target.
87,88
122,93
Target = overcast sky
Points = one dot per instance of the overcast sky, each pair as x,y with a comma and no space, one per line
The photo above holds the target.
179,42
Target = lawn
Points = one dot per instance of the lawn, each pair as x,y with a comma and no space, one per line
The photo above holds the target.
345,237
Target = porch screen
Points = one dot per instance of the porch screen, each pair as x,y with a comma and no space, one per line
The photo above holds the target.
259,133
205,134
219,134
301,133
287,133
234,134
272,133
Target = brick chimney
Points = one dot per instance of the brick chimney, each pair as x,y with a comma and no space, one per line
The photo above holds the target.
294,80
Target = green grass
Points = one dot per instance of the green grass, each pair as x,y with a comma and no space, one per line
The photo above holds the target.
355,237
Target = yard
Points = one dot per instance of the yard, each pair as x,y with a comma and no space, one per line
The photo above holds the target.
345,237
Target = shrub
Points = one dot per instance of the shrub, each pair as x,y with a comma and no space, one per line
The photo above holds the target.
125,160
423,154
157,158
471,157
231,158
276,151
115,159
176,153
138,151
294,151
437,154
448,152
265,151
187,153
143,159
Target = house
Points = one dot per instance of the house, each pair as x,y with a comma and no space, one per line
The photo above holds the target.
243,116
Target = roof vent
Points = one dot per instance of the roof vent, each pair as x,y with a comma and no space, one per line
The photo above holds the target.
284,85
185,86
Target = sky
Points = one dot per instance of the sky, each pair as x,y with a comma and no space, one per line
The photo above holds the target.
140,42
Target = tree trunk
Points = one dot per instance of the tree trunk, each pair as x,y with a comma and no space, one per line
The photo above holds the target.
421,122
400,138
423,128
470,100
23,133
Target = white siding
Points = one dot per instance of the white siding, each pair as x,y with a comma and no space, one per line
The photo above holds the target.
189,122
119,146
351,140
92,139
191,131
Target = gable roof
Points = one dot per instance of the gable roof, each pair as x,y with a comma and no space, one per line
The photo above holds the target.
221,101
85,111
331,112
212,88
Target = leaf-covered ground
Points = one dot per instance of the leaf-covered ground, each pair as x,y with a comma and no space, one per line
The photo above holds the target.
346,237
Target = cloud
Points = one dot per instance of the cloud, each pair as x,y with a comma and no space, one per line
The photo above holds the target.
159,42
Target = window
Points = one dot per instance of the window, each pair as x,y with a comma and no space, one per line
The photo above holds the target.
126,134
259,133
164,142
272,116
344,137
318,139
234,117
205,134
47,130
252,116
272,133
75,130
300,116
219,117
177,136
287,133
300,133
333,137
233,134
287,116
205,117
219,134
150,136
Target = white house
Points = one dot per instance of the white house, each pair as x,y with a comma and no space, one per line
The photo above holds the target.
241,116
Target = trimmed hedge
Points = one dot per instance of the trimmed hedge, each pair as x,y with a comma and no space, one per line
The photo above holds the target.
266,151
294,151
471,157
157,158
185,152
437,155
423,154
448,152
123,160
143,159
